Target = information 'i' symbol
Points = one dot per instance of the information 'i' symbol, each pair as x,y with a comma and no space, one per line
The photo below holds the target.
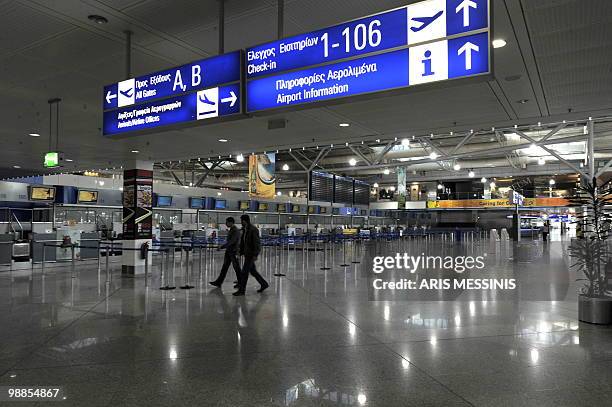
427,64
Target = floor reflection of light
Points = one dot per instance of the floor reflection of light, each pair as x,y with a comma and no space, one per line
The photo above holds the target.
173,354
387,314
576,340
285,320
361,398
352,329
433,340
457,319
472,309
535,355
405,364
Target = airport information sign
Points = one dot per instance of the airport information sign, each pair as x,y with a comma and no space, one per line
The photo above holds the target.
429,41
202,90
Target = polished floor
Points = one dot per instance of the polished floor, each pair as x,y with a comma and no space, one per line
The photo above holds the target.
313,339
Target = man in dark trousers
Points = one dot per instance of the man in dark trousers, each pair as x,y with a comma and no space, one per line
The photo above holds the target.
250,246
231,246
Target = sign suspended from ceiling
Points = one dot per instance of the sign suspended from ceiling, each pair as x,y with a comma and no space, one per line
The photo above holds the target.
198,92
262,176
426,42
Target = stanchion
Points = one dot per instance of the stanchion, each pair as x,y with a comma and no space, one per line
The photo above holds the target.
99,265
278,272
167,286
325,246
43,260
187,286
344,263
356,244
146,265
200,265
72,267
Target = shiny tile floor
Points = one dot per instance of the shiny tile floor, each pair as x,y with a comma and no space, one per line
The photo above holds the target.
313,339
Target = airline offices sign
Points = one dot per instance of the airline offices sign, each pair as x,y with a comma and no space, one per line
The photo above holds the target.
429,41
202,90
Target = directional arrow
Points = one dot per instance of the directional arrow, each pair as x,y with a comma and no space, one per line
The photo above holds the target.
110,96
232,98
467,49
465,6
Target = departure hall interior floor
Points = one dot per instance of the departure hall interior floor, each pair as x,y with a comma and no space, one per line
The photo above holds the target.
313,339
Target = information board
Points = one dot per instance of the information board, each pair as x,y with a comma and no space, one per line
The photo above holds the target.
425,42
321,187
192,93
343,190
362,193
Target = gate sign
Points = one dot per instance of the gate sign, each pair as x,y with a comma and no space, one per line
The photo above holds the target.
202,74
429,41
192,107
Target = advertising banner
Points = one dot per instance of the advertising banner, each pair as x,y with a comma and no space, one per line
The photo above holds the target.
497,203
401,188
137,204
262,177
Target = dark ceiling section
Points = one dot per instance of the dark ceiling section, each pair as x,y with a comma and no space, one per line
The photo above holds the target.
572,42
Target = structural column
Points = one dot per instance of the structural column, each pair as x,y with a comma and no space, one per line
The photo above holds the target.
137,215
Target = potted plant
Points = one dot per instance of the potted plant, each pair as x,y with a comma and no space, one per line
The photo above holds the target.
592,252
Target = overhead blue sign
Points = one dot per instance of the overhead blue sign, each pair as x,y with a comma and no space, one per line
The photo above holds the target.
431,62
414,24
202,74
203,105
364,75
379,32
424,42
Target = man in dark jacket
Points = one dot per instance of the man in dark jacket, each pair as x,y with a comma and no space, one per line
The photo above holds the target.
231,246
250,247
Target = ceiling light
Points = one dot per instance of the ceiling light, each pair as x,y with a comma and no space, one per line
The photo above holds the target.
223,140
552,182
499,43
387,171
279,193
34,135
135,151
523,101
541,161
440,186
492,185
352,162
97,19
16,166
376,185
433,156
392,189
219,194
471,174
344,125
240,158
286,167
101,183
69,160
483,180
456,167
406,143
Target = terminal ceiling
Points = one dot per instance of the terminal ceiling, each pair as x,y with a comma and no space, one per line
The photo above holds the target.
558,59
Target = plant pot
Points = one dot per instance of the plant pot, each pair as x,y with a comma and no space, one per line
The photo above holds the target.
595,310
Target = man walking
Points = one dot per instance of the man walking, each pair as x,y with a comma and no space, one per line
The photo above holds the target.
250,246
231,247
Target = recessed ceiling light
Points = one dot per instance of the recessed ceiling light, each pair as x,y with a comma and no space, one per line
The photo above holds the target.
68,160
352,162
16,166
456,167
223,140
471,174
97,19
344,125
499,43
34,135
135,151
523,101
433,155
286,167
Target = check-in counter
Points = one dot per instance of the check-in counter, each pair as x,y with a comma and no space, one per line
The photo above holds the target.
38,240
6,248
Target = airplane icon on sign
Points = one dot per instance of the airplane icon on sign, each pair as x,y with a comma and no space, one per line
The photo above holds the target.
127,93
425,21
